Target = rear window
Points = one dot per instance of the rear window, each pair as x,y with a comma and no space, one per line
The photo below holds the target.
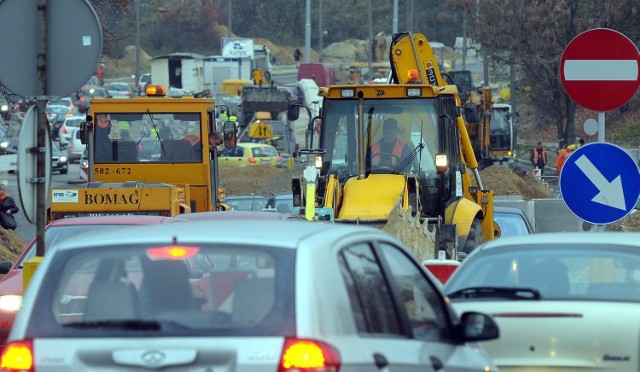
73,122
225,290
263,151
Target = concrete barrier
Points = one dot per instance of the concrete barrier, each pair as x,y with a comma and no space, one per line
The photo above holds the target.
548,215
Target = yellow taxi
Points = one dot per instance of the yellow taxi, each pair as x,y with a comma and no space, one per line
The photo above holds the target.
248,154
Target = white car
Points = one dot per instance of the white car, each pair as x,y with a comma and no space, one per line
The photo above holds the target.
68,128
562,301
240,295
75,148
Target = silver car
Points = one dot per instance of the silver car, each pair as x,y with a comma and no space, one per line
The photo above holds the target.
241,296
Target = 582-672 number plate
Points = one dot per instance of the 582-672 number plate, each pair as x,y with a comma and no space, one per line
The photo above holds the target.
119,170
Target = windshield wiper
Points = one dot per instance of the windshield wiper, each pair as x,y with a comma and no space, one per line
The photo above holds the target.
118,324
510,293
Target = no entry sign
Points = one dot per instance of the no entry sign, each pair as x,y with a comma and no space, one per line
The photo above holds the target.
599,69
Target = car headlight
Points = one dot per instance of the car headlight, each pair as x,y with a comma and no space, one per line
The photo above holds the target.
4,144
10,303
5,108
62,159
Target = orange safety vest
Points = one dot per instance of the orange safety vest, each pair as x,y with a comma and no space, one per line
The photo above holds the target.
397,153
535,156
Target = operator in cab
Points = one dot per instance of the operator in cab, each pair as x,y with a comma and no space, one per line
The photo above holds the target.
390,151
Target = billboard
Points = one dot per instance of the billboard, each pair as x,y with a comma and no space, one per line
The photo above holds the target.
237,48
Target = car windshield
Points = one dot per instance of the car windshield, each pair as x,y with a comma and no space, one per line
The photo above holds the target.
246,204
587,271
208,290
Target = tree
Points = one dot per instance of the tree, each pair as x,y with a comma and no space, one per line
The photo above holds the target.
187,26
533,35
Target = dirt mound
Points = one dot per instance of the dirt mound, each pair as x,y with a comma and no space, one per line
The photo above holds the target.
629,223
517,181
11,245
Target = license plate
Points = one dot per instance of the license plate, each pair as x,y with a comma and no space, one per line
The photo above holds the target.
54,163
265,162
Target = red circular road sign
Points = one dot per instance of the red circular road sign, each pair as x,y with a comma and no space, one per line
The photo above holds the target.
599,69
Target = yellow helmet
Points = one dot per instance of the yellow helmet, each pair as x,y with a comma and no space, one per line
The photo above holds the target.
571,147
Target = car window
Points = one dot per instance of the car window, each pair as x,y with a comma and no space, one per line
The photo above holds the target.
569,274
73,122
422,302
56,234
511,224
221,290
370,296
246,204
264,151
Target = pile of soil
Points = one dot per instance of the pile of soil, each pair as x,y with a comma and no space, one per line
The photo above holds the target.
11,245
516,181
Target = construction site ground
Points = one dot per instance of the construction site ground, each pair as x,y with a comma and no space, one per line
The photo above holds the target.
264,180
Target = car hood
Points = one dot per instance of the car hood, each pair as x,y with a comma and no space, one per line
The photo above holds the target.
562,334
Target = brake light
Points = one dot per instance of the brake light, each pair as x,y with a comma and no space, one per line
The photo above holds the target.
251,160
64,129
71,149
308,355
171,252
17,356
279,159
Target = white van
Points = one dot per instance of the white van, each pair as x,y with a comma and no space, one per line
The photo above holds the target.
310,97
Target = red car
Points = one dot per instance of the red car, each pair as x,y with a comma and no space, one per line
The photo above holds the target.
11,283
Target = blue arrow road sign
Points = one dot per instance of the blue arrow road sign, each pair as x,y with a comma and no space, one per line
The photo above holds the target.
600,183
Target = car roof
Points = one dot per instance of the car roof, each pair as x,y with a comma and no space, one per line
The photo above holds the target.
112,220
240,215
76,117
255,232
253,144
502,209
561,239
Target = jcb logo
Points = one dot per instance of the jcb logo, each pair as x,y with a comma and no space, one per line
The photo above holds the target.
111,199
379,92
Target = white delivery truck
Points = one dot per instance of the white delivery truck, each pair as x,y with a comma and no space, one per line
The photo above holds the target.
218,68
184,71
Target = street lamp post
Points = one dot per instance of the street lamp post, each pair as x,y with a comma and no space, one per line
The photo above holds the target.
137,68
320,28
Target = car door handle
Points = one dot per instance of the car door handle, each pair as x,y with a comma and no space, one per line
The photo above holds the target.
380,360
436,363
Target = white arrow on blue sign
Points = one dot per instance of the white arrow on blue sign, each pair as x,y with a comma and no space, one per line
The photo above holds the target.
600,183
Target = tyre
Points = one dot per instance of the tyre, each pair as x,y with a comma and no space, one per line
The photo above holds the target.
64,171
474,238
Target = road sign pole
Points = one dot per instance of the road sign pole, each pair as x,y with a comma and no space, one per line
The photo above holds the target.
601,126
41,129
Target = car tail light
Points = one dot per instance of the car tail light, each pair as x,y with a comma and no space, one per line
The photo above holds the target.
128,94
63,129
251,160
17,356
308,355
279,159
71,149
